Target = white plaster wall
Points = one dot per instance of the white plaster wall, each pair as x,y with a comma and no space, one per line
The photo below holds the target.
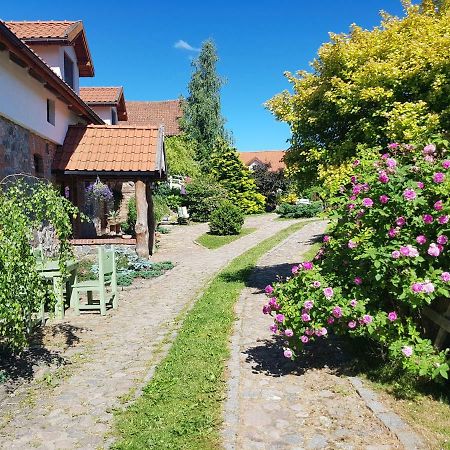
23,100
53,55
104,112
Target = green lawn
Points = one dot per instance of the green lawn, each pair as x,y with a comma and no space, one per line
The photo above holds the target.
181,406
212,242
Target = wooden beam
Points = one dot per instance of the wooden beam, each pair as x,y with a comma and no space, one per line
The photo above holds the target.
3,47
141,228
14,58
151,221
35,75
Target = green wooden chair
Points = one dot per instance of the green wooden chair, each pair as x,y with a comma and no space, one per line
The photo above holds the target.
105,285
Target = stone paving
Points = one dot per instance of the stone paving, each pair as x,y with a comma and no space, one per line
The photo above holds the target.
108,358
274,403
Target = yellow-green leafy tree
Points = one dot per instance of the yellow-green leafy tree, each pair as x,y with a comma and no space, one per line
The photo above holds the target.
231,173
368,88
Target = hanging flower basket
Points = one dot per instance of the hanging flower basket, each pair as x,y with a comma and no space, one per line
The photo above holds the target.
98,191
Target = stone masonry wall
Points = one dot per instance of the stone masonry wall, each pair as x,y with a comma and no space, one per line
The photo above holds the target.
18,148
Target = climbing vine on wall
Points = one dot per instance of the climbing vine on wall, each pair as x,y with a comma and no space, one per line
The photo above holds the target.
26,205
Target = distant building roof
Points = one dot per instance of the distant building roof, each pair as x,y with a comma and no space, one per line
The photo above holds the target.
271,158
105,96
57,32
112,149
156,113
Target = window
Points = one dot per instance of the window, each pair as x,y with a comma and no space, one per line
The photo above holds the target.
113,117
68,71
50,111
38,165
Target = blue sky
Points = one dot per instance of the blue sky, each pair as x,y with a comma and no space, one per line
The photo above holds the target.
133,45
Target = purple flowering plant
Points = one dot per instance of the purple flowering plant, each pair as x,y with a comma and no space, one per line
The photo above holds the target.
378,285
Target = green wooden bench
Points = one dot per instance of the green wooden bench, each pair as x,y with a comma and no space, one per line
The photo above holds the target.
105,285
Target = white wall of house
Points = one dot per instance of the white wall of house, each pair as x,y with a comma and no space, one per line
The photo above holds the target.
105,113
24,101
53,55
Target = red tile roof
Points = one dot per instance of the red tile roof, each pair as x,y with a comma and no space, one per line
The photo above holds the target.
60,32
272,158
109,95
165,113
110,148
42,30
97,96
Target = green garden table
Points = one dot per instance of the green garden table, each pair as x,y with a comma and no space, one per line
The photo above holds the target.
50,270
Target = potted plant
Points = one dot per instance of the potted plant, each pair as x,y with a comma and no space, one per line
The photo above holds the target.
113,221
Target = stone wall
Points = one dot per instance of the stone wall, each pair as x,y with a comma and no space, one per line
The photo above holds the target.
20,149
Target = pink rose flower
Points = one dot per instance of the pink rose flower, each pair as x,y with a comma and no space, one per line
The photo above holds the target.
309,332
308,304
305,317
316,284
427,218
268,289
352,324
266,309
429,149
356,162
417,287
446,164
307,265
330,320
438,177
393,146
400,221
383,177
428,287
421,239
442,239
367,202
391,162
288,353
443,220
323,331
304,339
367,319
433,250
404,250
328,292
409,194
337,312
326,238
273,328
279,318
294,270
392,316
420,185
413,253
384,199
353,303
438,205
396,254
351,244
351,206
357,280
392,232
445,277
407,351
288,332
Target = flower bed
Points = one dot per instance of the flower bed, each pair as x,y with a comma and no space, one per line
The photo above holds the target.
385,259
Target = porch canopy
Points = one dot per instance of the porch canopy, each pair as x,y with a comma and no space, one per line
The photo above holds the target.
120,153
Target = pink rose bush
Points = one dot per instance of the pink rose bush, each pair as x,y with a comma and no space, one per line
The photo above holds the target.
383,260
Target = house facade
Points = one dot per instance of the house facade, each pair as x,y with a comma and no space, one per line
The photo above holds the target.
47,121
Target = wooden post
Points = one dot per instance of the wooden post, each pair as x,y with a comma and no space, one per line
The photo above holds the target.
151,220
141,228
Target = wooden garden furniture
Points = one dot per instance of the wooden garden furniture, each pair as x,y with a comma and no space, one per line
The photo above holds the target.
105,285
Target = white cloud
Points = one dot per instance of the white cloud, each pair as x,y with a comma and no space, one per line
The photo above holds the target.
183,45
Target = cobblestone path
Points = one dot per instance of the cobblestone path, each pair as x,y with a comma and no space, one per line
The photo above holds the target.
107,357
274,403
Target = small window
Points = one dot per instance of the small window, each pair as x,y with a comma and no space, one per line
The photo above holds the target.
113,117
50,111
68,71
38,164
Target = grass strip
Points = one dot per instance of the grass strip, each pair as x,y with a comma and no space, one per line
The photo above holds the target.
181,406
212,242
